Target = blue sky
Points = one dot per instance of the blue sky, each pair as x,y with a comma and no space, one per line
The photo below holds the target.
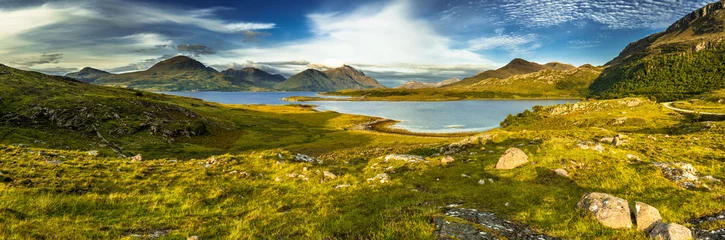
391,40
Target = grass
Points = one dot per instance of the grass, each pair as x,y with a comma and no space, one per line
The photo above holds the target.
238,179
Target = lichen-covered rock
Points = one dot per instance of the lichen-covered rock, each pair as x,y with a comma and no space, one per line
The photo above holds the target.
562,172
646,216
447,160
404,157
512,158
381,178
670,231
682,173
329,175
609,210
305,158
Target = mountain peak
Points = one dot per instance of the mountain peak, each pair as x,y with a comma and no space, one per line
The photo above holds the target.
88,74
180,63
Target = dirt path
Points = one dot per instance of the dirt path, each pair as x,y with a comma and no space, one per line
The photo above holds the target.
669,105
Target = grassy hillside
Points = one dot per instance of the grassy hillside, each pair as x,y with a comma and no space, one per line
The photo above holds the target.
61,113
264,193
685,60
515,67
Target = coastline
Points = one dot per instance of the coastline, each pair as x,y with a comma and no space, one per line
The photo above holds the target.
294,99
384,125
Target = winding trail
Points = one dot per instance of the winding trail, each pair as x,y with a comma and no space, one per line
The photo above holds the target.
669,106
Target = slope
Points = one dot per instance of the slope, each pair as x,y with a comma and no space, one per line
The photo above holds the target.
685,60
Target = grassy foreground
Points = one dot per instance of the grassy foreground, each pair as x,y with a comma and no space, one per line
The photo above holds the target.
259,192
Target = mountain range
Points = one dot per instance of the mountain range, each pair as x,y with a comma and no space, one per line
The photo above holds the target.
418,85
344,77
182,73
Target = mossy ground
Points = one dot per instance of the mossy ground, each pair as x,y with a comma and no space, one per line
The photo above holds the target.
175,194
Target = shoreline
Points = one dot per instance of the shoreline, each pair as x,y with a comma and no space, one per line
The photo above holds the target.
321,99
384,125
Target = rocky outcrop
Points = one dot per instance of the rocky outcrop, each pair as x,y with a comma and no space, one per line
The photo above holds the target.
381,178
685,175
646,216
512,158
305,158
697,14
474,224
702,226
670,231
609,210
404,157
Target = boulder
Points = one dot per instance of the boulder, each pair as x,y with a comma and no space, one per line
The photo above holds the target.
609,210
670,231
382,178
562,172
137,158
512,158
447,160
682,173
646,216
329,175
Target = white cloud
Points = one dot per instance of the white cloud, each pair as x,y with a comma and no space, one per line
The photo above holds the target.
104,34
386,36
611,14
510,43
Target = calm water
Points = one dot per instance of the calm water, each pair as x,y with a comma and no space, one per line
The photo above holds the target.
426,117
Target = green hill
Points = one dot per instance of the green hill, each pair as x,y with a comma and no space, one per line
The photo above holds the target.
685,60
88,74
341,78
515,67
255,76
179,73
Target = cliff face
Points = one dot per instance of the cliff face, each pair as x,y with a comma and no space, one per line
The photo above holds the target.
684,22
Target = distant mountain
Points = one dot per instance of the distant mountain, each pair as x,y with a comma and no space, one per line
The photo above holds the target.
345,77
572,83
179,73
255,76
515,67
88,74
686,59
418,85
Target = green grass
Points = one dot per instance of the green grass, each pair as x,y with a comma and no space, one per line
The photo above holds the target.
239,196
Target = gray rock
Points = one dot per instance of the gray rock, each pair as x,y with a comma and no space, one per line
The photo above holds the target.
474,224
609,210
404,157
329,175
562,172
305,158
92,153
682,173
646,216
382,178
512,158
670,231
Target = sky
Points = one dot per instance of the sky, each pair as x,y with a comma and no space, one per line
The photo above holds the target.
391,40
